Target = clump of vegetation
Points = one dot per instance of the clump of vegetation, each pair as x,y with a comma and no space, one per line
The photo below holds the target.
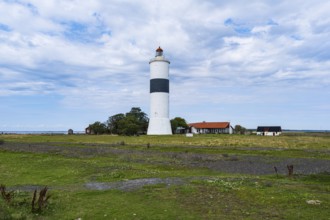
42,200
17,204
7,196
2,142
290,170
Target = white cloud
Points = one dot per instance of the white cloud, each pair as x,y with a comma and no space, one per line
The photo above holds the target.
96,53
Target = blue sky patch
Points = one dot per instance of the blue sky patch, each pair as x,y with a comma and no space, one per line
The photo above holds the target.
4,27
85,33
240,28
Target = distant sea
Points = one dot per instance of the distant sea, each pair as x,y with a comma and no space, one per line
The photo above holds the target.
317,131
40,132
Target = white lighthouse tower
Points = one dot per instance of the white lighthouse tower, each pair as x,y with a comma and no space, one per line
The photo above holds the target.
159,122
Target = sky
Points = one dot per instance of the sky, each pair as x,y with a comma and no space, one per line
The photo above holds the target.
65,64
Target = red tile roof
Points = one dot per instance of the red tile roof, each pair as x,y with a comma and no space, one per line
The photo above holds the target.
210,125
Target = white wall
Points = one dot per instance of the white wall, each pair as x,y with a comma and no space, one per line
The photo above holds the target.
269,133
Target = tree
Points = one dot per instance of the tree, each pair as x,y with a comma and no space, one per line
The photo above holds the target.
128,126
98,128
70,131
240,129
141,119
178,123
132,123
113,123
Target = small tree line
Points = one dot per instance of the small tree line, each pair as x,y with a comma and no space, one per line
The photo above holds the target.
134,122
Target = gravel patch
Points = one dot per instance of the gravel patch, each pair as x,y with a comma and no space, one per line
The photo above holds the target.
129,185
260,165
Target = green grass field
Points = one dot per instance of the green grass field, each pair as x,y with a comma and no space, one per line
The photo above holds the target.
187,187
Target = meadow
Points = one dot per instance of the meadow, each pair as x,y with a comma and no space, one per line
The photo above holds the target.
167,177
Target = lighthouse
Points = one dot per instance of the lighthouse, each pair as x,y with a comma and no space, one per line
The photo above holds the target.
159,122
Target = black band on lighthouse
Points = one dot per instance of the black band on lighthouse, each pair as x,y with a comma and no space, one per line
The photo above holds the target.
159,85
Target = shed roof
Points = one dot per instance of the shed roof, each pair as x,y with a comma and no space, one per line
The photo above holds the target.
210,125
269,129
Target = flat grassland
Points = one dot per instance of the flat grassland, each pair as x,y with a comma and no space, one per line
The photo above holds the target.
167,177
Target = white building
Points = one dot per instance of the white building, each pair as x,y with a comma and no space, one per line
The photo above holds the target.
269,130
210,128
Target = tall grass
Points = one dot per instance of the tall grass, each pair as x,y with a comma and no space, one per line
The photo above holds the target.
286,141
